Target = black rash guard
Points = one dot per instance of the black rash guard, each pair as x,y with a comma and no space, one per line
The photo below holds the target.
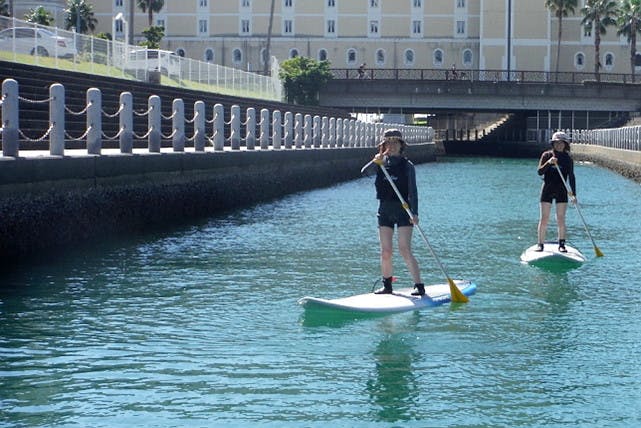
404,176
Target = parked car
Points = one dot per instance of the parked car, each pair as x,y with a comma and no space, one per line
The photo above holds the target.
167,62
36,41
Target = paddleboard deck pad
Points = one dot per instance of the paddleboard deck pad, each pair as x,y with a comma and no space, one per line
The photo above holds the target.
552,256
400,301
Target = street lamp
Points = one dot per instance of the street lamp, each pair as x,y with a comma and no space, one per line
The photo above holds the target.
121,17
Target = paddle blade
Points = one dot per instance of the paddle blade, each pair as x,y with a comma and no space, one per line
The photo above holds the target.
457,296
597,251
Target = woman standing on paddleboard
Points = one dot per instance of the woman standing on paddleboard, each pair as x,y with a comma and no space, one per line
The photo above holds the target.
390,210
553,188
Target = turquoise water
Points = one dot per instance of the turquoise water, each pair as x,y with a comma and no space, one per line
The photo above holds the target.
200,327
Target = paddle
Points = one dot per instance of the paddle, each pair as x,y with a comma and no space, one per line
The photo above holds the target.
576,204
456,294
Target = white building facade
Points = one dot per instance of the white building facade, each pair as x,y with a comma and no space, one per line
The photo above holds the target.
519,35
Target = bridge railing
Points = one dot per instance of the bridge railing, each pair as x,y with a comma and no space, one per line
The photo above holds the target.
271,130
472,75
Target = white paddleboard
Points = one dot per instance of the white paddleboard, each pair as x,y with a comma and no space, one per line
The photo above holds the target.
400,301
552,256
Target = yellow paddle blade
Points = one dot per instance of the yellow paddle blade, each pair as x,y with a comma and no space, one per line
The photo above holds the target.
597,251
457,296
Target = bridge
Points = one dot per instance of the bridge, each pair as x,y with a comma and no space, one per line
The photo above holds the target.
468,90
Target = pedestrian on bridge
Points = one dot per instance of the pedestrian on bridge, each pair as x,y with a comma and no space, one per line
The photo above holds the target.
553,189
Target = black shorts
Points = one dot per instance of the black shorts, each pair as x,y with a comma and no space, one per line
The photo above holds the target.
392,213
553,193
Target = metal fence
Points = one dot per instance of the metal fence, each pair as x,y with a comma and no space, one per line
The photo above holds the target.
25,42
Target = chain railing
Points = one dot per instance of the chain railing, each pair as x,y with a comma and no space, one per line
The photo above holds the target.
275,130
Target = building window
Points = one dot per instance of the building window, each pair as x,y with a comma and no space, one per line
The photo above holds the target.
293,53
373,3
237,56
288,26
202,3
437,58
409,57
331,26
417,3
373,27
180,52
460,3
380,57
244,26
245,3
637,60
608,61
351,56
460,27
202,26
417,28
467,58
579,61
322,55
119,26
331,3
209,55
118,3
289,3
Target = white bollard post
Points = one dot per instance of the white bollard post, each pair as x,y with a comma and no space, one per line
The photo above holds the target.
94,121
57,120
316,131
250,129
346,133
287,128
126,140
307,131
332,132
277,129
235,127
339,132
298,130
199,126
178,125
153,123
324,132
219,127
264,129
10,118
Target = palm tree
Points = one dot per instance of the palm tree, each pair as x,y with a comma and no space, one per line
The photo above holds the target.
560,8
40,16
80,14
598,15
151,7
629,21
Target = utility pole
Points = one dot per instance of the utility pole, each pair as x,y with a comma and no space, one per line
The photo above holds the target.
269,40
131,21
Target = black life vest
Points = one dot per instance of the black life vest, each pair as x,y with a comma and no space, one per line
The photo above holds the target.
397,169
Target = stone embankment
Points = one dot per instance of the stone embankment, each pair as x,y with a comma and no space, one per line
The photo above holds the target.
624,162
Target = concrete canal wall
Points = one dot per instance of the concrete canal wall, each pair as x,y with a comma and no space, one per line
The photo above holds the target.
49,203
624,162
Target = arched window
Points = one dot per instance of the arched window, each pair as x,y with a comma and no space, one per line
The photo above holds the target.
437,58
468,58
637,60
263,56
409,57
608,61
293,53
180,52
579,61
380,57
209,55
237,56
322,55
351,56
